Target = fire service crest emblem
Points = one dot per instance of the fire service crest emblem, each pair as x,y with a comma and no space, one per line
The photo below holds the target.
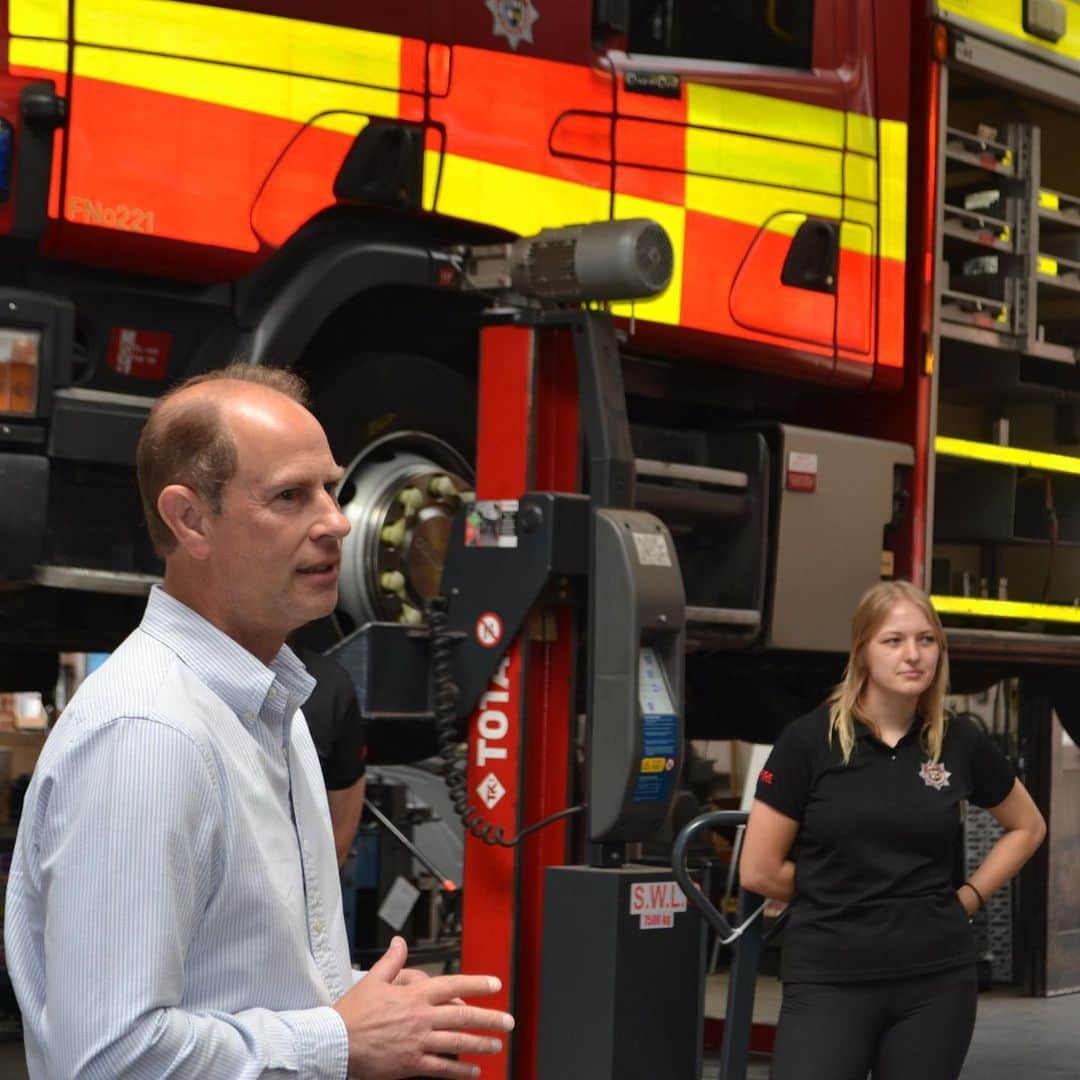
513,20
934,775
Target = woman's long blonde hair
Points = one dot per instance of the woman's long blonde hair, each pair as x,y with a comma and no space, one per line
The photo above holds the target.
844,702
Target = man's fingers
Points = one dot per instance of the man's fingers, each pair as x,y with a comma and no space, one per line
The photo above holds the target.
389,966
456,1017
441,1067
411,976
461,1042
446,987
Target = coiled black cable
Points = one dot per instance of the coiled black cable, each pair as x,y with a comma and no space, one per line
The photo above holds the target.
447,694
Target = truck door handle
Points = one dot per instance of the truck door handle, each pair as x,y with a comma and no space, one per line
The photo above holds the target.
811,260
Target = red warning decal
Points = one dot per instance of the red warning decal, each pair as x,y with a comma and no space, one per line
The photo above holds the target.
489,630
143,354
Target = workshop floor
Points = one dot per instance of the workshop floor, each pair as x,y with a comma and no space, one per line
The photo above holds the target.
1033,1038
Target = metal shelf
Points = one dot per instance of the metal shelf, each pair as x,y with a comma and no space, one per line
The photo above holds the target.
966,149
977,229
972,334
1059,210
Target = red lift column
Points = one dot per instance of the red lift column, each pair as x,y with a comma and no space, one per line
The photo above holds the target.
520,736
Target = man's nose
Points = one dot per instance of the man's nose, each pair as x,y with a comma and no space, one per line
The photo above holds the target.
333,520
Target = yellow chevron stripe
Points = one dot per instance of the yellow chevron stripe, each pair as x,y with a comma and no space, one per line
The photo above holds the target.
748,157
313,67
860,178
893,208
765,117
38,18
290,97
861,133
751,203
1006,17
44,55
204,32
521,202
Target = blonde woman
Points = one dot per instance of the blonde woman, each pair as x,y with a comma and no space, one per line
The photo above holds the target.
856,822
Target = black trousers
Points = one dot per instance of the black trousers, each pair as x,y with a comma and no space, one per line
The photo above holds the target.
915,1028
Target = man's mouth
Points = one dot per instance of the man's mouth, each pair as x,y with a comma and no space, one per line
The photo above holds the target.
317,569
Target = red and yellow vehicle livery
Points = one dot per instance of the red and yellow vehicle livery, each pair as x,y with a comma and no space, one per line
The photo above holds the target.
201,137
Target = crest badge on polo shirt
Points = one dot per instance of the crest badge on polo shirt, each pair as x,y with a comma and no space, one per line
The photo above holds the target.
934,774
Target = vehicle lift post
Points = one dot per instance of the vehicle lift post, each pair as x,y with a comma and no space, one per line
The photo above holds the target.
544,376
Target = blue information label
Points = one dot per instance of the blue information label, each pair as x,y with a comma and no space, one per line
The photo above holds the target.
660,732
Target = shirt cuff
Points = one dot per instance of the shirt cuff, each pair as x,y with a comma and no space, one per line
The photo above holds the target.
322,1043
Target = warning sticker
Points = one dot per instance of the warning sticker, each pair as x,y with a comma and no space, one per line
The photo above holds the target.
802,471
489,630
660,731
656,903
652,549
492,524
143,354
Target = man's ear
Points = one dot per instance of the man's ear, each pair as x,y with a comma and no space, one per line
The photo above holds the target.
186,515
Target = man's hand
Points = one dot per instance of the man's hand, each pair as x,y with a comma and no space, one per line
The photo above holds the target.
397,1031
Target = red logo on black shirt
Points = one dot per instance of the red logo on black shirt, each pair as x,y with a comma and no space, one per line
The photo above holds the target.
766,777
934,775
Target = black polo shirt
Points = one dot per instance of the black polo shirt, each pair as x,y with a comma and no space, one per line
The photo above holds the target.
875,895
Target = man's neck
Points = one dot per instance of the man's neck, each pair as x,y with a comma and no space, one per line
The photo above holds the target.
201,599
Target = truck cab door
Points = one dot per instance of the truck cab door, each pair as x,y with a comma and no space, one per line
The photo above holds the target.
746,127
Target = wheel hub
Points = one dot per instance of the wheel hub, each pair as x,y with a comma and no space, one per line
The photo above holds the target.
400,496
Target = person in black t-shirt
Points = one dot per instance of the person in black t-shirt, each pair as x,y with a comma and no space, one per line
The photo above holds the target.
856,822
338,731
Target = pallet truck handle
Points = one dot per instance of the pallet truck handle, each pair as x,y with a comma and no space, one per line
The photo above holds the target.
715,819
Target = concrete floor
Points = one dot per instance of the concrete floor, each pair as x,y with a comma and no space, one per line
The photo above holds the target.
1016,1038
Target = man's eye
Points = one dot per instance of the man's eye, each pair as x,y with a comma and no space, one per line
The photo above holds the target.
288,495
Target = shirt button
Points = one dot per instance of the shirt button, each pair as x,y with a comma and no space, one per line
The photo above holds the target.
249,717
318,926
894,757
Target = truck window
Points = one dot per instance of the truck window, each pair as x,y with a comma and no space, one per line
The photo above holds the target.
773,32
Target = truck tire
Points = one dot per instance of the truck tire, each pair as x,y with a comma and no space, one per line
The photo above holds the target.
379,393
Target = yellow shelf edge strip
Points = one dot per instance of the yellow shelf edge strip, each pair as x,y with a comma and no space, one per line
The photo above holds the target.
1006,455
1005,609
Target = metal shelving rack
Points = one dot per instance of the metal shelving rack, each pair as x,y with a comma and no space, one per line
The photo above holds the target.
1006,328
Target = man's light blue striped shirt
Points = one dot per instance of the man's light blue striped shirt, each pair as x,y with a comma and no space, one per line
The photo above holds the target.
173,907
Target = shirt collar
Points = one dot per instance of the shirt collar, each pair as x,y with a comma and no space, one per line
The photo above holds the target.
223,665
862,731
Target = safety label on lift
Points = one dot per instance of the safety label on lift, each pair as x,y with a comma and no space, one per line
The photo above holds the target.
660,731
492,524
656,903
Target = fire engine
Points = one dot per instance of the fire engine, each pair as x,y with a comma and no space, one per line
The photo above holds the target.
863,364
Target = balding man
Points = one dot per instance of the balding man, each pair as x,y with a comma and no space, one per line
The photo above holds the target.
173,906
